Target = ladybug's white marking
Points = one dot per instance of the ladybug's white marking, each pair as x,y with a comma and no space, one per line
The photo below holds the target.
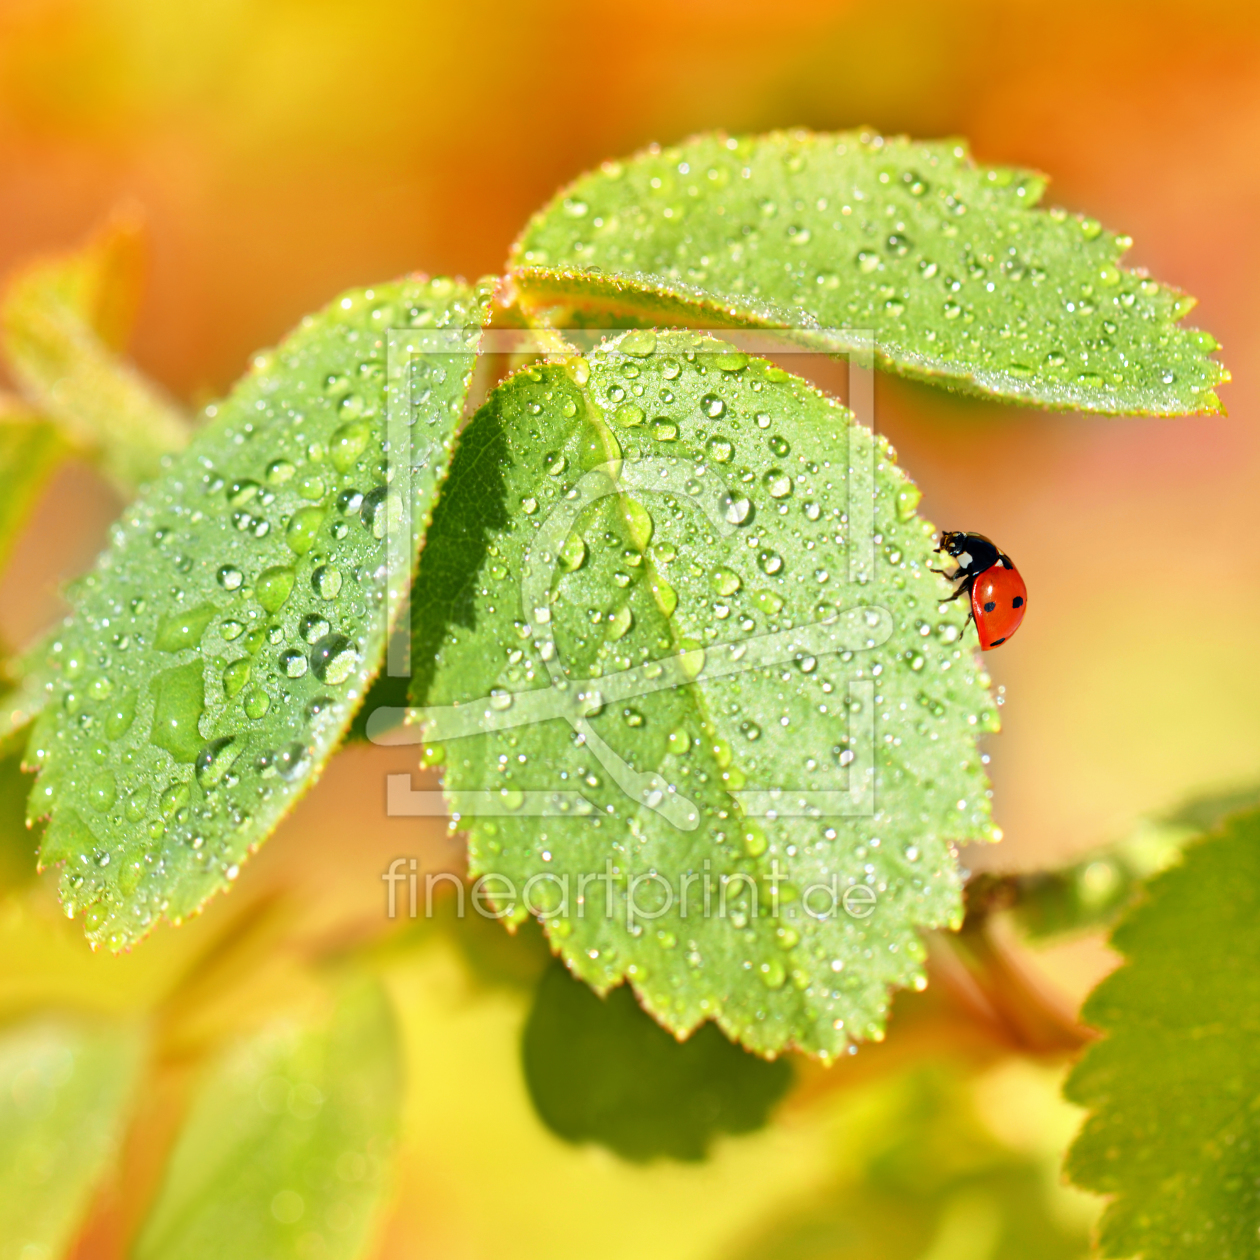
965,559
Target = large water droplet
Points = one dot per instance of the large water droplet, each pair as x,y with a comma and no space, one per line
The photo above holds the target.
239,493
179,701
326,582
102,791
121,714
175,798
274,586
573,553
720,449
183,629
292,663
333,659
313,627
778,484
256,703
235,676
215,760
640,343
348,444
303,529
619,623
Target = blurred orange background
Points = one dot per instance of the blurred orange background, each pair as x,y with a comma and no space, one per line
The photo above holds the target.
283,151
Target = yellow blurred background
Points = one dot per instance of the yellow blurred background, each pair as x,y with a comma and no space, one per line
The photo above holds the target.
282,151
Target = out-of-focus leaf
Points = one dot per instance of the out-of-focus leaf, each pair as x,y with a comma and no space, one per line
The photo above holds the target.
30,449
64,1090
935,1186
702,591
19,844
963,282
26,683
288,1149
602,1070
1094,891
1174,1086
221,647
63,322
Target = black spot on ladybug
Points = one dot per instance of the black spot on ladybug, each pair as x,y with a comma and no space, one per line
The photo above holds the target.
1017,602
990,606
997,641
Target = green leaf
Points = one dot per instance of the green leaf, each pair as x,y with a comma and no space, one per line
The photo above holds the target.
688,558
600,1070
218,652
28,681
18,844
1173,1085
934,1184
64,1091
962,281
288,1149
63,321
30,449
1098,888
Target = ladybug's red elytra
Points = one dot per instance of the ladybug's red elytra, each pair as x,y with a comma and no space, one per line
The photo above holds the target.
999,597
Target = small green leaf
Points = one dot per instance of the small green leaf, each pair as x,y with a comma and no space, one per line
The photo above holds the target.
1095,890
625,719
64,1091
1173,1085
210,667
601,1070
933,1185
27,681
29,451
63,321
962,281
19,844
290,1140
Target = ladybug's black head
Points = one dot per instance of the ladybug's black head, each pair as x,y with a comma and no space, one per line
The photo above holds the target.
973,552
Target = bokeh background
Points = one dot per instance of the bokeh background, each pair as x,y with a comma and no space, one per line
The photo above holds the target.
281,151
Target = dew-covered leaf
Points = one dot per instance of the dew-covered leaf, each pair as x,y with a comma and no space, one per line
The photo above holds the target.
288,1148
219,650
64,1090
63,322
688,642
1173,1085
600,1070
961,280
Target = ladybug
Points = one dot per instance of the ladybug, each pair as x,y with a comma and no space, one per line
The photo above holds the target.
999,597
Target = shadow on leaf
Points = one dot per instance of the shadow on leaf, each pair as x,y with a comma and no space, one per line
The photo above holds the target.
602,1070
